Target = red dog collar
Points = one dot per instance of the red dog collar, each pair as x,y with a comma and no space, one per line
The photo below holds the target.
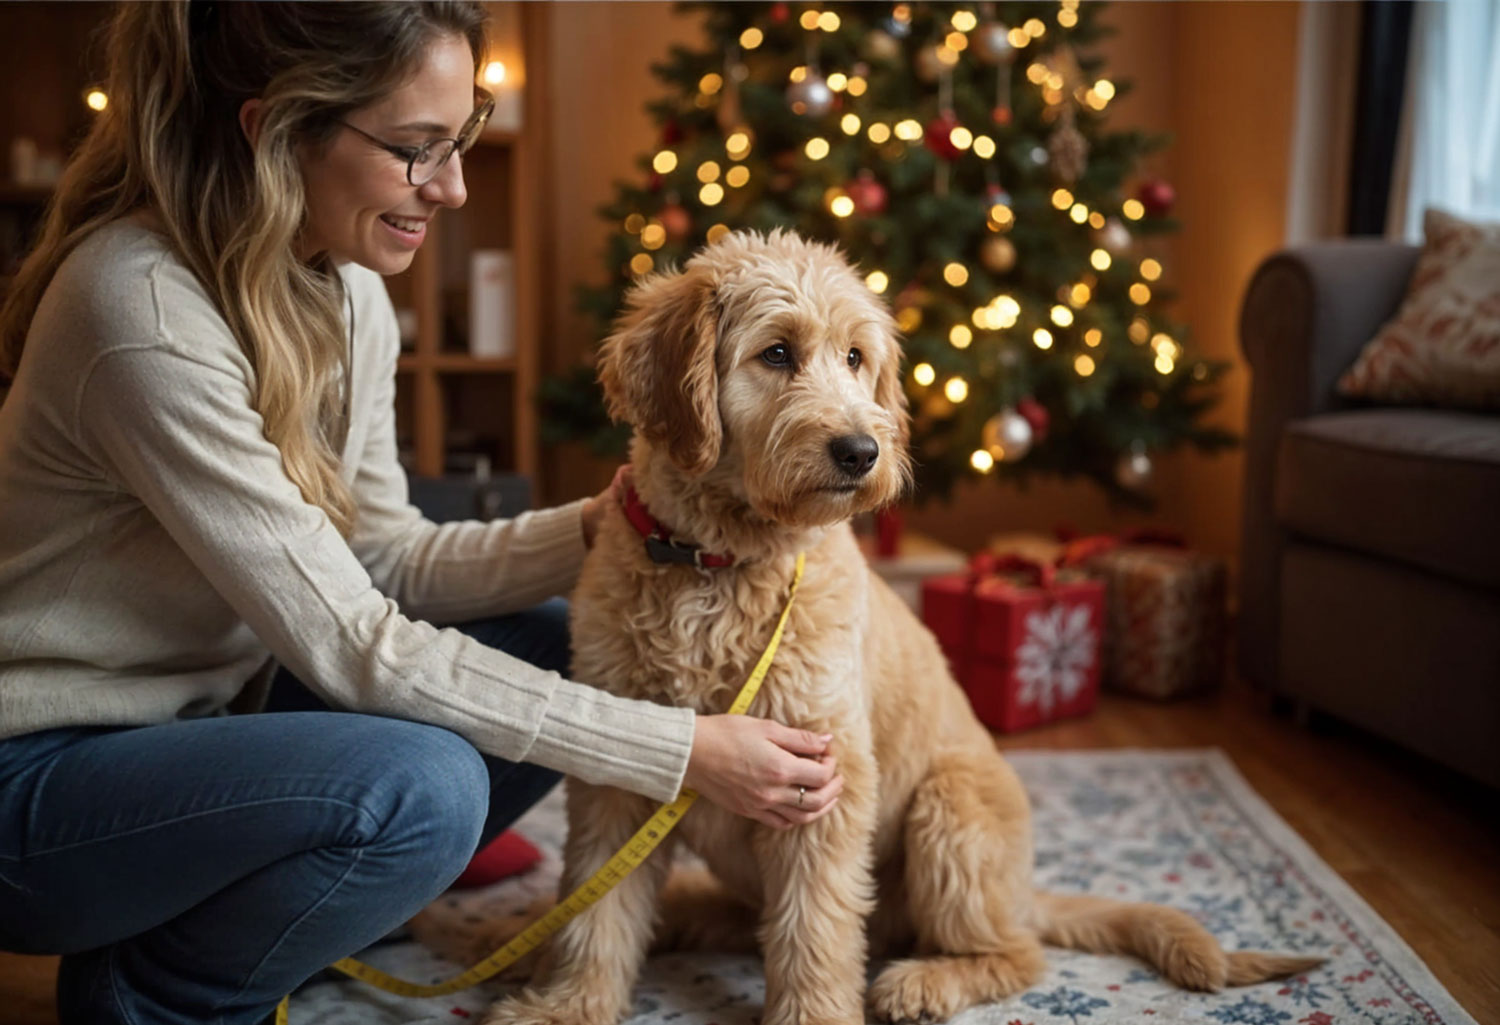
661,546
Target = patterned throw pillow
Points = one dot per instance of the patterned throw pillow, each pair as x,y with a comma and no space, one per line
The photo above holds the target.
1443,346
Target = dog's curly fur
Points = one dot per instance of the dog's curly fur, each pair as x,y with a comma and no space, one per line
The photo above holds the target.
928,854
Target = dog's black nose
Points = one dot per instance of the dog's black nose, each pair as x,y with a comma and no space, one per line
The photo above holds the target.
854,454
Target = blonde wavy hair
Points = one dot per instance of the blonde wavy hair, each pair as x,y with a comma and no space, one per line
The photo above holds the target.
170,141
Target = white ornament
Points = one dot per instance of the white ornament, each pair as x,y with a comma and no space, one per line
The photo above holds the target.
1056,656
811,96
1134,468
1115,238
1007,436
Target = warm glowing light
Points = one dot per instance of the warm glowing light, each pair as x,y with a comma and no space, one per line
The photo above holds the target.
717,232
1139,331
809,20
1062,199
1099,259
816,148
1133,209
798,73
737,145
751,38
1062,316
1084,364
965,21
908,319
737,176
910,130
634,223
842,206
923,374
1036,73
1042,337
1150,269
1079,213
1067,19
1096,220
653,235
877,282
1002,215
708,171
857,86
956,41
1140,294
960,336
711,194
1034,28
1093,336
664,162
957,389
982,461
947,55
961,137
1105,88
837,81
641,263
985,317
1164,363
955,274
878,132
850,124
494,73
1018,37
1080,294
711,83
828,21
984,146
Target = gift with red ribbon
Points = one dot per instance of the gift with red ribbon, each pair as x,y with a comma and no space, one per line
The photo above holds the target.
1166,611
1022,637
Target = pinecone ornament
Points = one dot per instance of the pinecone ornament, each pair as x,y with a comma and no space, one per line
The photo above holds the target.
1068,151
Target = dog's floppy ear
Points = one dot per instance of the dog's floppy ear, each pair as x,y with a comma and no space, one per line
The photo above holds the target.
658,371
889,393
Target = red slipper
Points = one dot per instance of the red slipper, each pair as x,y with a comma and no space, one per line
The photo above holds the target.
507,855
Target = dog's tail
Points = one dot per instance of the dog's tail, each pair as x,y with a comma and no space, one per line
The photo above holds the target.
1171,940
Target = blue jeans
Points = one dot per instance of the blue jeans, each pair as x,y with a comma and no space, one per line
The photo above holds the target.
200,870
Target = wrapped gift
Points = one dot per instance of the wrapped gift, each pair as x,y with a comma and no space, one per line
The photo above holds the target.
1165,627
1027,544
1022,638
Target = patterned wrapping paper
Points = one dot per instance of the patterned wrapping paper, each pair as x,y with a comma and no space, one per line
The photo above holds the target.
1165,612
1025,653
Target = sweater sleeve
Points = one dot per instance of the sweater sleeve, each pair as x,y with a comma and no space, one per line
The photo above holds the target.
454,571
177,431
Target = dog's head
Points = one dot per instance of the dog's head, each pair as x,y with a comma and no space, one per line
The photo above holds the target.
766,365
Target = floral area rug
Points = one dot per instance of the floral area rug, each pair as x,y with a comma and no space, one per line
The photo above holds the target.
1180,828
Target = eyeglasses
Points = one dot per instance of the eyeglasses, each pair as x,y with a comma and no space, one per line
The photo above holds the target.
425,161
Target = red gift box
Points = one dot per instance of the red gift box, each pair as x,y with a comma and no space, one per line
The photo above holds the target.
1022,639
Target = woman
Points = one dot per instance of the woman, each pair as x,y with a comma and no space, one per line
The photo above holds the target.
198,480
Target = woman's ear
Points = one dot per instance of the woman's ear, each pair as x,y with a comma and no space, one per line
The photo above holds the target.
657,368
250,112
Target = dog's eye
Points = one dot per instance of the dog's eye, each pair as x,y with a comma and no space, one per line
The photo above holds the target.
855,359
778,355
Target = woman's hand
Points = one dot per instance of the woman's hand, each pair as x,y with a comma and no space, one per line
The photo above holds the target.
593,509
763,770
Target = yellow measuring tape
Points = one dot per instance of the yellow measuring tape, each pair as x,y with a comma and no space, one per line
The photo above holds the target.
626,860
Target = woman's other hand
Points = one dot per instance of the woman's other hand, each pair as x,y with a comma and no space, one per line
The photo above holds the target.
593,509
775,774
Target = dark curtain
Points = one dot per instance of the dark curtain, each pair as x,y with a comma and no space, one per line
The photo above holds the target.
1384,37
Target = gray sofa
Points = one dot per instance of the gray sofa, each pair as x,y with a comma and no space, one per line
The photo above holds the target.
1370,569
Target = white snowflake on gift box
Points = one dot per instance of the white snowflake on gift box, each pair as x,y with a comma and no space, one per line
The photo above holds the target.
1056,655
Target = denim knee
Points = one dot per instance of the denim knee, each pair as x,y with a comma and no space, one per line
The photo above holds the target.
429,802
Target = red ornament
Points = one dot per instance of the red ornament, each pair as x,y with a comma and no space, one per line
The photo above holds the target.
654,182
1001,115
868,194
1157,197
671,133
779,12
676,221
1034,413
939,136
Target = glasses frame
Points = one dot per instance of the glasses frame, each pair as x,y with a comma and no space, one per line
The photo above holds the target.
468,135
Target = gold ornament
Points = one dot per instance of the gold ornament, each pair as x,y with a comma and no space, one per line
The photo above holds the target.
997,253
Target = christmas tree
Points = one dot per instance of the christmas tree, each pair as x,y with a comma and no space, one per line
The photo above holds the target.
959,154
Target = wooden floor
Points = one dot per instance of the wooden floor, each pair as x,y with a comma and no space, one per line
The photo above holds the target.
1422,846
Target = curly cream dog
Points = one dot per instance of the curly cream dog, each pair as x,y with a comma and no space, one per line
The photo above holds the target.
763,382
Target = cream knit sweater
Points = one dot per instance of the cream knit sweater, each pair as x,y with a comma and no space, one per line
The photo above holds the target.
154,556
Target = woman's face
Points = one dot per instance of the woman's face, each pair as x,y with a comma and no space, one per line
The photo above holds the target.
360,206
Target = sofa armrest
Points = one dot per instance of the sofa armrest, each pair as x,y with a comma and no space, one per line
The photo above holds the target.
1306,315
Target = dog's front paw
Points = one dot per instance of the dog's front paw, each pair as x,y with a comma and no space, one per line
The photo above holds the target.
910,991
555,1007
